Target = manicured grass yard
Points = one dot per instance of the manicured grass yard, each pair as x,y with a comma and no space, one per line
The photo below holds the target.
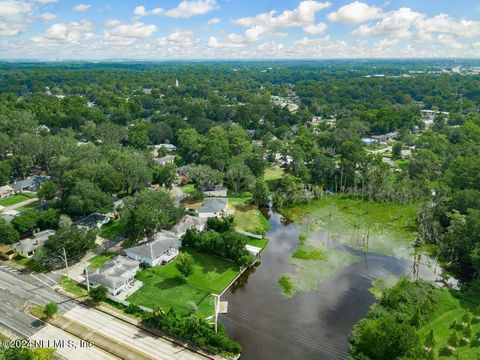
165,287
100,260
15,199
72,287
20,260
249,218
260,243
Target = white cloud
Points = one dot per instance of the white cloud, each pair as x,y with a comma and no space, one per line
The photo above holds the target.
157,11
394,24
262,25
315,29
140,11
45,1
214,43
113,22
253,34
355,12
71,33
443,23
82,7
301,16
48,16
128,32
187,9
14,17
386,43
178,39
213,21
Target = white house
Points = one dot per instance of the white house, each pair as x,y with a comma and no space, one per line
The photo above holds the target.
117,275
169,159
213,207
27,247
216,191
189,222
6,191
160,249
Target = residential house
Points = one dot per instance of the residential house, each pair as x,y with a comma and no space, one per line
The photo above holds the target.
385,137
31,183
92,221
169,159
189,222
170,148
406,154
117,275
213,207
9,215
162,248
6,191
27,247
218,190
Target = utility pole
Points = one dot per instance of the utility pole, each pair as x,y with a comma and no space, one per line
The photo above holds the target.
66,262
216,298
86,273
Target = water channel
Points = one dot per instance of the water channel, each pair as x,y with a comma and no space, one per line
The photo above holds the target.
308,325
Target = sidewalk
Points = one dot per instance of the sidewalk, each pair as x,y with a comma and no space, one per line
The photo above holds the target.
99,340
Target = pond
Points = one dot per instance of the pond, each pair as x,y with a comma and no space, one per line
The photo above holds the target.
313,325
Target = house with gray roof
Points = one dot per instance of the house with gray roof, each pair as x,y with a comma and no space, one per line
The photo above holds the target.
160,249
92,221
165,160
218,190
118,275
213,207
27,247
31,183
189,222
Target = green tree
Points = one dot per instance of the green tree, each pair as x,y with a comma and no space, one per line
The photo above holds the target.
454,339
86,198
239,177
261,193
98,293
8,234
184,264
397,150
47,191
26,221
149,211
64,222
430,341
50,309
203,176
165,175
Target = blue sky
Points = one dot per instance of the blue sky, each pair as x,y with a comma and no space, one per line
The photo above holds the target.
238,29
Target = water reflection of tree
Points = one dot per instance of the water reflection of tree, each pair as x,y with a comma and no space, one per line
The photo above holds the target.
242,281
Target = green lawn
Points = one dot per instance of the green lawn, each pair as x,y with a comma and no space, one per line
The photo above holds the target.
450,309
249,218
20,260
100,260
240,199
112,230
165,287
15,199
188,189
260,243
72,287
272,174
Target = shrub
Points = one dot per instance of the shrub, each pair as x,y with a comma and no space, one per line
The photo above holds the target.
99,293
50,309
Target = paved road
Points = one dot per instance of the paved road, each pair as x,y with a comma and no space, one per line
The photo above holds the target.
16,289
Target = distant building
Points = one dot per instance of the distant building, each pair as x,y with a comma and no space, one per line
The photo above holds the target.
27,247
117,275
213,207
385,137
92,221
6,191
9,215
218,190
169,159
189,222
170,148
162,248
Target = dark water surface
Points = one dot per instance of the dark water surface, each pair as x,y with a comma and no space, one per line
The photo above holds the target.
308,325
